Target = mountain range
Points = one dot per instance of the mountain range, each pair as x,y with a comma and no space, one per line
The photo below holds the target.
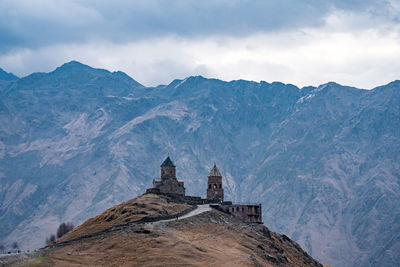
323,161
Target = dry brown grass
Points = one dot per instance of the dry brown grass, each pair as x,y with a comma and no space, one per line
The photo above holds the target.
131,211
209,239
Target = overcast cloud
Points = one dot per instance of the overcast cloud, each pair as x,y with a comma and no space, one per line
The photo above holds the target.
302,42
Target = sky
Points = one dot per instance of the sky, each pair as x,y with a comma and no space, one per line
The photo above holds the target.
302,42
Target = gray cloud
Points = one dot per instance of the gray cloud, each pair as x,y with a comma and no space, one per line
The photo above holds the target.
32,24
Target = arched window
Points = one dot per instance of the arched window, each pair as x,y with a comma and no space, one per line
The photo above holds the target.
214,186
220,186
209,186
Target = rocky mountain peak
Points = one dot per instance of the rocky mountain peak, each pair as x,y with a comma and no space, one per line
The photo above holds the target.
7,76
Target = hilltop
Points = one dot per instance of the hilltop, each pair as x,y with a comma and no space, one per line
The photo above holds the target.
210,238
135,210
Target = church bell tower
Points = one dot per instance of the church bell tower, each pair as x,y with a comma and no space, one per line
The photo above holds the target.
168,169
215,192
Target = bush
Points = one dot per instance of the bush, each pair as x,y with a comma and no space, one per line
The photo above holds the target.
50,239
64,228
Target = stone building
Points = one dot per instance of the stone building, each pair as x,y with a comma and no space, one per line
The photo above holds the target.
215,192
247,212
168,183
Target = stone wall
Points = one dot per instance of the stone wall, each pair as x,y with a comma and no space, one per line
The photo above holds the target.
171,185
248,213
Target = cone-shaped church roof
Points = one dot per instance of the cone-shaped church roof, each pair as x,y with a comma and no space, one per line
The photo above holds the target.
214,171
167,162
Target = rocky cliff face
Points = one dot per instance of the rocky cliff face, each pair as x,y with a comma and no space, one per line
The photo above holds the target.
323,161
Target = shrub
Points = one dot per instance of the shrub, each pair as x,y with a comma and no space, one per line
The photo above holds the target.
64,228
50,239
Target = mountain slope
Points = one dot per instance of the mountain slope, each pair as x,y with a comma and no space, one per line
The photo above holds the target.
132,211
323,161
341,163
7,76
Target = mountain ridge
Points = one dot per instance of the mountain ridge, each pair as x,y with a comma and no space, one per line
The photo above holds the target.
7,76
312,157
74,64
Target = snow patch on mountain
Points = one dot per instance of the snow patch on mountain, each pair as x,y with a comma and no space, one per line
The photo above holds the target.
173,110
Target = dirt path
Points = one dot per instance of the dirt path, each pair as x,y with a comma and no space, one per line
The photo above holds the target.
200,209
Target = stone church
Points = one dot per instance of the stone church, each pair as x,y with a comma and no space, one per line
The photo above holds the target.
168,183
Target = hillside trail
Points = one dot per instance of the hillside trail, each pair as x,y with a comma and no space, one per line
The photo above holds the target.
200,209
